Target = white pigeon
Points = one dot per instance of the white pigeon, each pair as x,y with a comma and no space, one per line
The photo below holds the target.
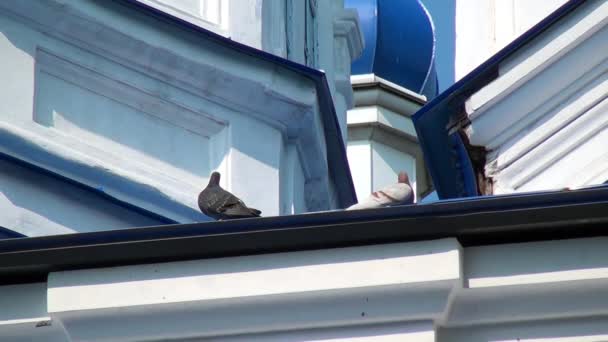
394,194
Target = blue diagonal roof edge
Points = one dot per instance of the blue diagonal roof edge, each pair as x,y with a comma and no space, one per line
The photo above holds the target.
336,151
451,170
6,233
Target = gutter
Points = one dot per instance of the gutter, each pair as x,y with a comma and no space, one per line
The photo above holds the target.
336,151
474,221
438,123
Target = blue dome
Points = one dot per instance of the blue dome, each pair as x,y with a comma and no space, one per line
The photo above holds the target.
399,43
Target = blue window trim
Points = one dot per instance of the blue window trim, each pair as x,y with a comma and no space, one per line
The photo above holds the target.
437,122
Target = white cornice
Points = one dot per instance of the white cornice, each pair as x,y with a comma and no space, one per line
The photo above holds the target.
371,80
253,294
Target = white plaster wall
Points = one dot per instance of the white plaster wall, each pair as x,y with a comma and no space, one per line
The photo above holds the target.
94,108
374,165
144,114
387,162
360,160
483,27
255,159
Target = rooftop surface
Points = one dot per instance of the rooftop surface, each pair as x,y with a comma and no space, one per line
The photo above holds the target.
473,221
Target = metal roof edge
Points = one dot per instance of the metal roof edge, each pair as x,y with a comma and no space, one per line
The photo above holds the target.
473,221
338,162
436,121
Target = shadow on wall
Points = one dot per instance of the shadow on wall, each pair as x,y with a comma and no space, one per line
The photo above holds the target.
38,204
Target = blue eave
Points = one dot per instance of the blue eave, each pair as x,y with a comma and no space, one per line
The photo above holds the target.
437,123
336,152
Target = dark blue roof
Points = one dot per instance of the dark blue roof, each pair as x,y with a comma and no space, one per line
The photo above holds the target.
437,123
399,43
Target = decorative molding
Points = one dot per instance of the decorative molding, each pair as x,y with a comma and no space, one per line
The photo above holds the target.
373,90
129,94
540,54
543,119
383,113
384,119
346,25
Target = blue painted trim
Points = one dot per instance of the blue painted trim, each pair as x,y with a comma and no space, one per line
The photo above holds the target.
98,192
6,233
336,151
463,163
436,119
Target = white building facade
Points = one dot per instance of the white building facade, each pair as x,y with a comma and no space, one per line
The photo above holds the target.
129,112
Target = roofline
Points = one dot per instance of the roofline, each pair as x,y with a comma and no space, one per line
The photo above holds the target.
338,162
437,122
476,221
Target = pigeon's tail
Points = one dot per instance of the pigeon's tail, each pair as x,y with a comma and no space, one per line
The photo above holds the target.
255,211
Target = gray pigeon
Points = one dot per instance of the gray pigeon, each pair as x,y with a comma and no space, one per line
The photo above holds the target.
221,204
394,194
